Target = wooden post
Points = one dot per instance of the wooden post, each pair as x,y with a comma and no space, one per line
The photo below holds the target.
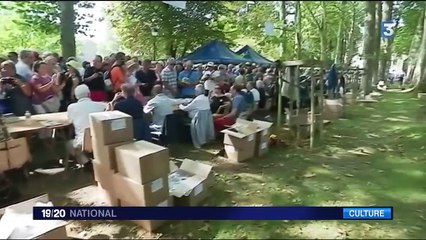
313,115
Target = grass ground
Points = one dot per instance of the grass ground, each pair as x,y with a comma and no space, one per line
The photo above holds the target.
391,171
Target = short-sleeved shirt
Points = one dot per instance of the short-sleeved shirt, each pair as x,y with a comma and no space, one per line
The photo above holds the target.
239,103
170,77
117,78
40,97
96,84
193,76
18,102
149,78
24,70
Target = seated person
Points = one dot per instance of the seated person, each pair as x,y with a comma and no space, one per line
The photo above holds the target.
255,93
381,86
239,105
218,99
200,102
78,114
160,106
126,102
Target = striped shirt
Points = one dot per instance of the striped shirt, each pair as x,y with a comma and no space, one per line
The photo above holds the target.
170,77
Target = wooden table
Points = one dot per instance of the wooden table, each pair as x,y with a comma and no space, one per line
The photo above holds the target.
34,124
28,127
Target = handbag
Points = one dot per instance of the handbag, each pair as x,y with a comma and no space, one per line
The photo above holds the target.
52,104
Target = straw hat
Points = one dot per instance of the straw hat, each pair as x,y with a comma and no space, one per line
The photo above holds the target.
131,63
74,64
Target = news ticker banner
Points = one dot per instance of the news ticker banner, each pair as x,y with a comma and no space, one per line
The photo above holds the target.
213,213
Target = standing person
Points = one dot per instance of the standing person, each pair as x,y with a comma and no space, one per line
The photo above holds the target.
240,79
131,67
118,72
169,78
193,78
222,78
146,79
18,92
44,98
94,79
159,66
23,67
13,56
256,95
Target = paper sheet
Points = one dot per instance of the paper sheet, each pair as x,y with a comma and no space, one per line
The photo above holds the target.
49,171
20,225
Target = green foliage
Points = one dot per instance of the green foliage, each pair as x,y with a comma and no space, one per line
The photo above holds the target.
179,31
45,15
16,37
410,12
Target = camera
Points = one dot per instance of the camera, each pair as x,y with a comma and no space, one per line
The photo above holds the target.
7,80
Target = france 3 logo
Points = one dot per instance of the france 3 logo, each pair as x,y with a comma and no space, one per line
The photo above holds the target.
388,29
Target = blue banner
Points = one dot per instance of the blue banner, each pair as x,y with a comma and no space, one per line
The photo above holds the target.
213,213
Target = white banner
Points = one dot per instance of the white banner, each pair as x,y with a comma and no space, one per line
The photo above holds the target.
178,4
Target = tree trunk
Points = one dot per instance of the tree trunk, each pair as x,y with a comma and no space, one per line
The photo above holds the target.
377,40
340,38
351,39
298,30
369,35
386,54
68,45
421,62
415,44
283,41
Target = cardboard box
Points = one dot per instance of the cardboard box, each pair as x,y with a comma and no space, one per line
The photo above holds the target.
26,207
142,161
262,137
135,194
240,140
104,176
105,154
189,184
151,225
108,196
14,153
111,127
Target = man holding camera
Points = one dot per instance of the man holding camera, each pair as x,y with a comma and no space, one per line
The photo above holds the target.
17,91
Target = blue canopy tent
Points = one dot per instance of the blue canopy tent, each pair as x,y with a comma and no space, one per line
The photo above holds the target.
214,51
251,55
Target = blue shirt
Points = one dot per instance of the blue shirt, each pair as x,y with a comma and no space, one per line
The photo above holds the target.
249,98
239,103
193,76
130,106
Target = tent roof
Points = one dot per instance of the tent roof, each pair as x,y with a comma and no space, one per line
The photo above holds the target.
250,54
214,51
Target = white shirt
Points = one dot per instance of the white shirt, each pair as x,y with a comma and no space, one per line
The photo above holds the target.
24,70
201,102
78,114
161,106
209,85
256,94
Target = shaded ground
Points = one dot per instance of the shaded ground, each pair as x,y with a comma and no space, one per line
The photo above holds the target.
389,169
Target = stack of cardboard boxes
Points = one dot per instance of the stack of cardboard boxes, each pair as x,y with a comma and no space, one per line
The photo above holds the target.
246,139
142,178
108,130
138,173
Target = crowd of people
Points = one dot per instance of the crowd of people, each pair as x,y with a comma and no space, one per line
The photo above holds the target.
47,83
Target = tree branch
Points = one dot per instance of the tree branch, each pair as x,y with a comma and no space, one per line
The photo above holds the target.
313,16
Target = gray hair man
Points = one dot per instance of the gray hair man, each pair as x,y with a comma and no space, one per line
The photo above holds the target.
23,67
199,103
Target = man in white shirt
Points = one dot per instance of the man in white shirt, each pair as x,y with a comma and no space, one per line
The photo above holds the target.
23,67
200,102
78,114
160,106
256,94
